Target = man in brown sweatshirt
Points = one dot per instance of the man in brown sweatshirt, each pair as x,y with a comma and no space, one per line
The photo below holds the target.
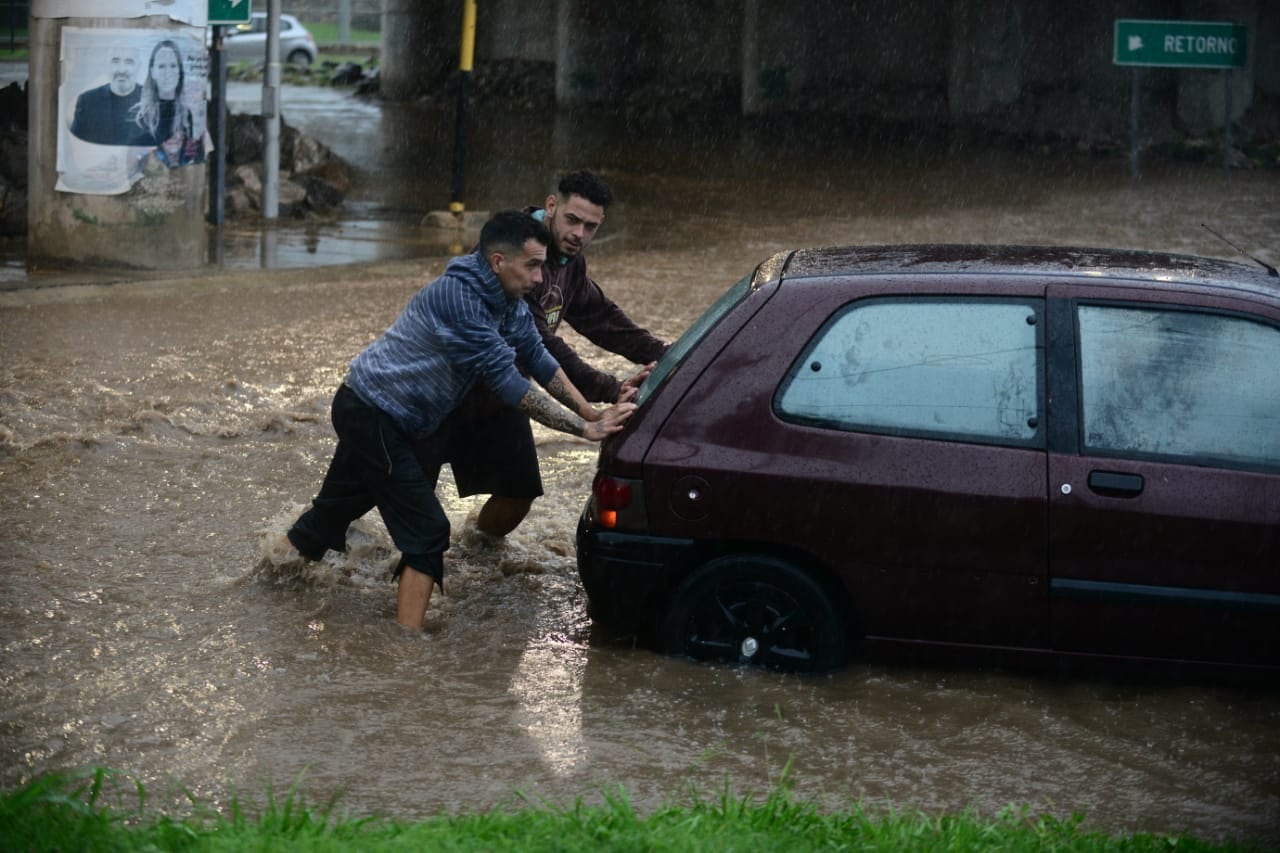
492,451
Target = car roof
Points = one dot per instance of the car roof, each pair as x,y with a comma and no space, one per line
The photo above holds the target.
985,259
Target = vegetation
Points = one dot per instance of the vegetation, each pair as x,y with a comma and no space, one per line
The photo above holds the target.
327,34
107,811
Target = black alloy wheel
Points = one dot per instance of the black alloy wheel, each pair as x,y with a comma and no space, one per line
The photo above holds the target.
756,610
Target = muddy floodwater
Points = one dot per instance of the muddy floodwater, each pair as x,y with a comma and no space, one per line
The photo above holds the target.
155,437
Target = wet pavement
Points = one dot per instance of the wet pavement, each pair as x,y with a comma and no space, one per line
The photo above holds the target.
156,437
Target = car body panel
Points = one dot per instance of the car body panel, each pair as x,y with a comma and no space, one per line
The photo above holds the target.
942,540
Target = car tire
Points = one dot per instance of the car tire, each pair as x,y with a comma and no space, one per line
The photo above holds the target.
300,58
757,610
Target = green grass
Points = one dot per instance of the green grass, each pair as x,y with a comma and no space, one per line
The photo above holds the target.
326,33
102,810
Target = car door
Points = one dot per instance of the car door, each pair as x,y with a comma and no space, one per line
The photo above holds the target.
1164,469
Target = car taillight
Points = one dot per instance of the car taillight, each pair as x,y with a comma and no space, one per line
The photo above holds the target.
611,496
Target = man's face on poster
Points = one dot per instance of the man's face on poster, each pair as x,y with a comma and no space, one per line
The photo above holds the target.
124,70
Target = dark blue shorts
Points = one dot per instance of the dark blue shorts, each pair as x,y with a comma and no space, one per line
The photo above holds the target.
375,465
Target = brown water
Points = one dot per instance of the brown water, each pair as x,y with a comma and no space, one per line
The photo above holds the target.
154,438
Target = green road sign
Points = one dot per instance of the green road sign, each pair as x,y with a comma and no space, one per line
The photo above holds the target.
229,11
1181,44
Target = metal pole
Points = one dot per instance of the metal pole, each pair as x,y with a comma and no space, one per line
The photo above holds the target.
344,22
1226,128
271,115
218,123
465,63
1136,108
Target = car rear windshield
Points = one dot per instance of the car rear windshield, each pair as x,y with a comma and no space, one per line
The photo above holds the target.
672,358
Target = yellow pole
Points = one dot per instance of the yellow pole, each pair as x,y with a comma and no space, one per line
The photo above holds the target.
468,35
466,59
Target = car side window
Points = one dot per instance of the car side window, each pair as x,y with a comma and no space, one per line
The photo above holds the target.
967,369
1179,383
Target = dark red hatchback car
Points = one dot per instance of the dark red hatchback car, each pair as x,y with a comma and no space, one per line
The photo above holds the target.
1028,452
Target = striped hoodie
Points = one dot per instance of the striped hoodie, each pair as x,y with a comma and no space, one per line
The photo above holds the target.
458,330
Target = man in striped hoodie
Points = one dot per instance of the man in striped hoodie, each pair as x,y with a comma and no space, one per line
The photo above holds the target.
469,326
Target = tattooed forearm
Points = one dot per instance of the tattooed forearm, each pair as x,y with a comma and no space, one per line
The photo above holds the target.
547,412
559,389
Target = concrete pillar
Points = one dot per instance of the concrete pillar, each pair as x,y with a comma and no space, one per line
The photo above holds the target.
985,56
593,51
157,224
1202,94
516,29
776,47
420,45
753,101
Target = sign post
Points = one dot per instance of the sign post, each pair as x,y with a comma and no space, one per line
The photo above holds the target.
229,12
1180,44
221,13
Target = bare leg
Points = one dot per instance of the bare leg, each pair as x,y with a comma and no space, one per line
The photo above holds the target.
413,598
499,516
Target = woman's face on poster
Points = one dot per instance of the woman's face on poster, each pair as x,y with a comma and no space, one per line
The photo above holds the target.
164,70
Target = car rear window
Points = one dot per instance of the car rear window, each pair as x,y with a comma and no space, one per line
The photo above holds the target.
677,351
968,369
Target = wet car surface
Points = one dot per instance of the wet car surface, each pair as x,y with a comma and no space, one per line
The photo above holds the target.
1025,453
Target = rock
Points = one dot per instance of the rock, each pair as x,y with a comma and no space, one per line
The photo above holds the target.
314,180
245,185
13,209
13,107
371,84
334,172
245,138
13,157
237,201
307,154
1237,159
249,178
467,222
321,196
292,199
346,74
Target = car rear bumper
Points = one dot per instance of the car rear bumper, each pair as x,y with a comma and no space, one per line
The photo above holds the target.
627,576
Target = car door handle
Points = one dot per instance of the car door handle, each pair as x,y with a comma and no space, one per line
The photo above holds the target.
1115,485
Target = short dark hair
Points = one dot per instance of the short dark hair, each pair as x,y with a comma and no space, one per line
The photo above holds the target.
509,230
588,185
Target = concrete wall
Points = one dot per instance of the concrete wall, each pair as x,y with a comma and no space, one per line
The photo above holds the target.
1037,67
420,41
508,29
159,224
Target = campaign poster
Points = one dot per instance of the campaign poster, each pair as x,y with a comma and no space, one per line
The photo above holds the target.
129,97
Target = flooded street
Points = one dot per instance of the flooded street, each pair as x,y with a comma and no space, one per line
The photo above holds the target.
155,437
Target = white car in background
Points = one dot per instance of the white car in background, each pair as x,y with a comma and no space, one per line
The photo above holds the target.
248,42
